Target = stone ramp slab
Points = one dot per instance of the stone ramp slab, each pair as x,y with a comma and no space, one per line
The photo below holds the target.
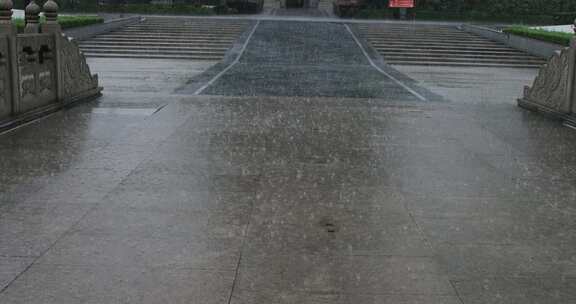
305,59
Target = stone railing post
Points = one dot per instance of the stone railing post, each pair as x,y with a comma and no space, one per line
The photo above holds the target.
6,25
51,14
32,16
52,26
9,89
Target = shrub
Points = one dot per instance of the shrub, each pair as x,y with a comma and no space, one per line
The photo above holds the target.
67,21
539,34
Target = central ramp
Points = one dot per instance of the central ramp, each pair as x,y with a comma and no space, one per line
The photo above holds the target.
306,59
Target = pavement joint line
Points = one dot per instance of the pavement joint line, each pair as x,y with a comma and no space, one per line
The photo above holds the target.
201,89
400,83
33,121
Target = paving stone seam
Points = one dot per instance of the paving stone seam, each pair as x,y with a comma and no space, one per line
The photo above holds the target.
36,259
403,85
215,78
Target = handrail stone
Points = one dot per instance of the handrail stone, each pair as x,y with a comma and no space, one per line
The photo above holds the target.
554,89
41,70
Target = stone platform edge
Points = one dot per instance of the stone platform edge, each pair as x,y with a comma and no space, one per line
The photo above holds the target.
567,119
532,46
10,124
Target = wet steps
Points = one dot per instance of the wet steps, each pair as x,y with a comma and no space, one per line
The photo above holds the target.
168,38
440,45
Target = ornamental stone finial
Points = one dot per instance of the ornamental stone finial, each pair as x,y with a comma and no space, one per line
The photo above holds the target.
6,24
6,11
32,16
51,14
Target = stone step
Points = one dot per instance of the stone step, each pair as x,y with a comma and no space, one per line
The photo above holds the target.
183,34
186,27
441,47
155,44
196,21
414,35
435,43
154,52
460,41
452,51
183,27
152,56
418,35
392,27
411,33
175,32
164,38
465,64
190,39
409,44
153,48
160,45
169,36
463,60
422,56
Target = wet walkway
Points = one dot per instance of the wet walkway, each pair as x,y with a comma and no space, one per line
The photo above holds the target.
292,199
305,59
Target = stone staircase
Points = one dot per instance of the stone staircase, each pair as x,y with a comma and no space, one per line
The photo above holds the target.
168,38
326,6
435,45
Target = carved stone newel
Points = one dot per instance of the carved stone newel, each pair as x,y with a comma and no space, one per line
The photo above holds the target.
554,89
6,25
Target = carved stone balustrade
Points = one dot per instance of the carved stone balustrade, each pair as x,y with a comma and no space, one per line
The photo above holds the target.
554,89
41,70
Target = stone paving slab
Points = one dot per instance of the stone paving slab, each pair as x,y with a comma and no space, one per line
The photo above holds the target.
295,199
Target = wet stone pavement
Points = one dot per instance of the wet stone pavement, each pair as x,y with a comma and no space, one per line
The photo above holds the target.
291,199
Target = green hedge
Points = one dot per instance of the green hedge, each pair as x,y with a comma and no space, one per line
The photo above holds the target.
543,35
68,21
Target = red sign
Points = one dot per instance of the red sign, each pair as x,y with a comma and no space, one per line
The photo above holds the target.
402,3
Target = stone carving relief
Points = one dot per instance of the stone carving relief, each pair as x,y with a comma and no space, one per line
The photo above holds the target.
76,76
5,107
37,69
550,88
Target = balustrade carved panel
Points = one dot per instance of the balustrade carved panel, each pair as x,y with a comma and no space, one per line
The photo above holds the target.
76,76
37,70
5,89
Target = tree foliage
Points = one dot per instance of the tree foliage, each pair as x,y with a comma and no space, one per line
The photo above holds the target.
491,7
501,7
